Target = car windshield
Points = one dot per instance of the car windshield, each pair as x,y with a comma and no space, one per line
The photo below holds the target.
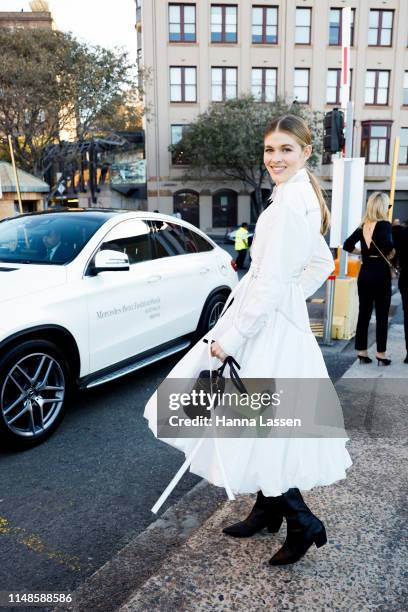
53,239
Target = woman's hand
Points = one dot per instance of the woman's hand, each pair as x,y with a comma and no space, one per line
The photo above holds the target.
216,351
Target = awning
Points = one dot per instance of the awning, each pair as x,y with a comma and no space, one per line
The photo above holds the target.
28,182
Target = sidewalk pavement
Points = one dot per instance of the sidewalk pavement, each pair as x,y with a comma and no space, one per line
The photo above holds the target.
395,350
364,565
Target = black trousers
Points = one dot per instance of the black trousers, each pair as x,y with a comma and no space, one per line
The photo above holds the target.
240,258
403,287
374,289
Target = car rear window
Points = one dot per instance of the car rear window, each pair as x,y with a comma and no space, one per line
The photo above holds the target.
200,242
172,239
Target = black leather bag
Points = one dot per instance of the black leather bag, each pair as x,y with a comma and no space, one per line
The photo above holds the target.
213,385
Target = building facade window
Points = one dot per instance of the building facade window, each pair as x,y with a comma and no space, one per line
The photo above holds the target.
333,86
224,208
265,25
182,23
183,84
178,158
403,151
139,59
224,83
405,92
303,34
333,89
335,26
380,28
403,148
375,141
224,20
377,87
301,85
264,84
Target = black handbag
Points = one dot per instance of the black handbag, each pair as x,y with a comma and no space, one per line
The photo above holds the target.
393,269
213,385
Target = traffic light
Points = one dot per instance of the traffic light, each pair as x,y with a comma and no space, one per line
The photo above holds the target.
333,140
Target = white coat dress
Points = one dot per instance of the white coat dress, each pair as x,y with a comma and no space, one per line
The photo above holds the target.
267,330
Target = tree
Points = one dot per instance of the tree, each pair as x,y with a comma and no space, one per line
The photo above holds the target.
227,140
54,88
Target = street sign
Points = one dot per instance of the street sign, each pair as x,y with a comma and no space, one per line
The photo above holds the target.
61,189
344,220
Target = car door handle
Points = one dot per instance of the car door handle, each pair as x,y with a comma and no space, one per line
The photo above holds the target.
205,270
154,279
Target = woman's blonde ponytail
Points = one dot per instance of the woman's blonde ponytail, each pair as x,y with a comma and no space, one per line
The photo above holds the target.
323,206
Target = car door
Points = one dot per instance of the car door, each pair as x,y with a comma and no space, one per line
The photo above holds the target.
124,307
188,275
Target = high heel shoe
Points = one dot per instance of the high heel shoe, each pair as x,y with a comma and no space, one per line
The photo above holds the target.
364,359
267,512
303,529
383,360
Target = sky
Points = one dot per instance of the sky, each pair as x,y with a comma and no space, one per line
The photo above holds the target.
108,23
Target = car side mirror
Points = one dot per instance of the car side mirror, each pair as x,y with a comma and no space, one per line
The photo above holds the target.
110,261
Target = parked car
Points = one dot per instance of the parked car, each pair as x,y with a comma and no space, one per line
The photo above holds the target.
231,232
87,296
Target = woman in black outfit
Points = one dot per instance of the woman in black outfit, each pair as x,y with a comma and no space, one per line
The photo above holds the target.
400,235
374,280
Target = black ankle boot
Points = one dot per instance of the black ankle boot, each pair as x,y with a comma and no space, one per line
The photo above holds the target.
303,529
267,512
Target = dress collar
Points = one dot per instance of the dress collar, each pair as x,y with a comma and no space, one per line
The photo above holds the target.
301,176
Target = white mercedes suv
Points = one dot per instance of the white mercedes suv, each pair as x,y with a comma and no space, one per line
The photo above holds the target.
87,296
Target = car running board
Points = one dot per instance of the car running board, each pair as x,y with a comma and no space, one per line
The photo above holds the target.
136,365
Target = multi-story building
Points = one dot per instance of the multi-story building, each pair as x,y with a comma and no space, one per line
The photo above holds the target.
205,51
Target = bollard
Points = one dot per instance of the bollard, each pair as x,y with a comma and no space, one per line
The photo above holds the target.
328,315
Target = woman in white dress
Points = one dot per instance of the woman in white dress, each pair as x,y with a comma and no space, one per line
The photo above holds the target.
265,327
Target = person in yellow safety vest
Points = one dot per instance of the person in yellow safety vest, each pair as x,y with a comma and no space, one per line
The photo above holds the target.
241,245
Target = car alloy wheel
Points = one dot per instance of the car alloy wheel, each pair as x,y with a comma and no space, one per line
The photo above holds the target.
32,394
215,313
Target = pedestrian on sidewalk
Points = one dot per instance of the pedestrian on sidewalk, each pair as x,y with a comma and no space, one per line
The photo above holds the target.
265,328
400,236
374,280
241,245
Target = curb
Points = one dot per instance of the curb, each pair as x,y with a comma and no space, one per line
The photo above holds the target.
115,582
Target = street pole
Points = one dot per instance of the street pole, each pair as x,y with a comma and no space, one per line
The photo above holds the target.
348,153
393,176
346,187
347,106
13,163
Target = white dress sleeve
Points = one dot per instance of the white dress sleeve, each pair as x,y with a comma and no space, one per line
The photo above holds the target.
284,248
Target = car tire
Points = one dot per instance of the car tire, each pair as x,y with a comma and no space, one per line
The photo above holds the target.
34,382
211,314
